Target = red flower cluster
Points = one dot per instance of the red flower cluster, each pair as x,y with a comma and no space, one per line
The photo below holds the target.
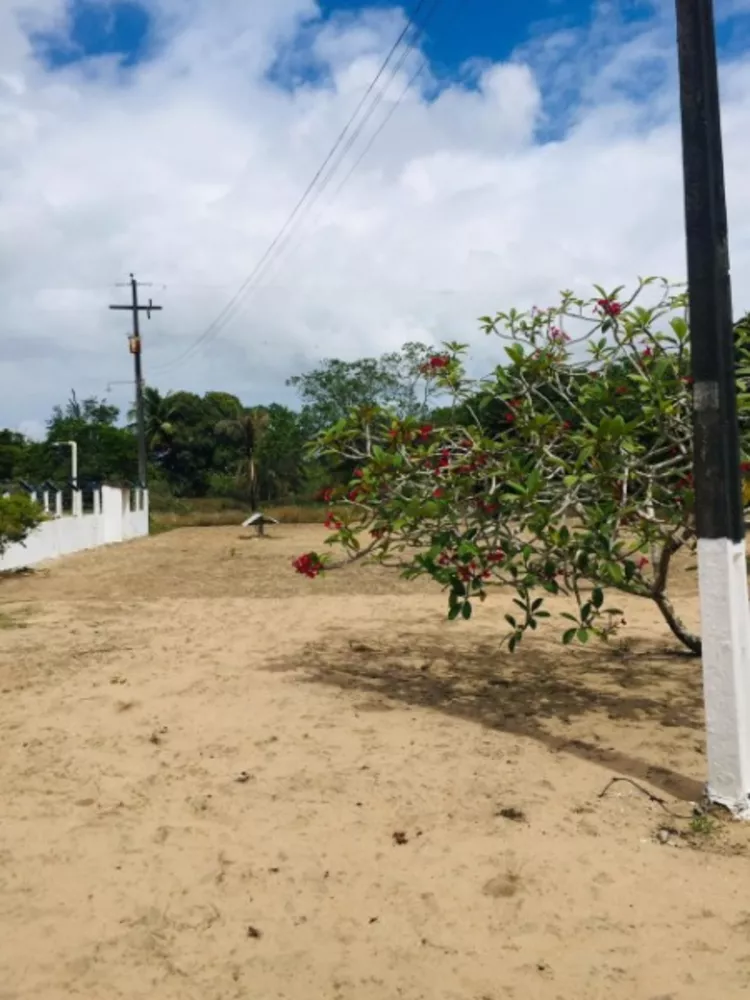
609,307
308,564
332,522
488,508
745,467
435,363
420,435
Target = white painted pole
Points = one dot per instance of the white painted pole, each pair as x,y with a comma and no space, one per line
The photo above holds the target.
73,461
725,635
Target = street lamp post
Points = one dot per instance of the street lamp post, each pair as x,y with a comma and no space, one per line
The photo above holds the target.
722,568
73,445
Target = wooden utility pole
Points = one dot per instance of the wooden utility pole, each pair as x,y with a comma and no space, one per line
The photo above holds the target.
135,350
719,515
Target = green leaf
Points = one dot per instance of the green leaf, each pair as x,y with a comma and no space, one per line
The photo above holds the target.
466,610
511,621
569,636
597,597
583,635
454,612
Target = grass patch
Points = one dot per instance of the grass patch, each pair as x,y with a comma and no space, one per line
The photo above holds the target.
214,512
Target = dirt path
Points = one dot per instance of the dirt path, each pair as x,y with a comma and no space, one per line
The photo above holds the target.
222,781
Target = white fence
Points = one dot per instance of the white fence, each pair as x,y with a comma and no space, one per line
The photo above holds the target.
116,515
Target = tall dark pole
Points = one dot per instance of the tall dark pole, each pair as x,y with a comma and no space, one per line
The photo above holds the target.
722,565
718,486
135,349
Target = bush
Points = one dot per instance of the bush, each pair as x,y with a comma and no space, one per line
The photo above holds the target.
19,515
585,487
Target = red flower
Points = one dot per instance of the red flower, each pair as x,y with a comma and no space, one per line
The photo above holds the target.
438,493
688,379
377,532
326,495
642,563
424,431
308,564
609,307
621,390
393,432
332,522
436,362
745,467
647,353
358,473
496,557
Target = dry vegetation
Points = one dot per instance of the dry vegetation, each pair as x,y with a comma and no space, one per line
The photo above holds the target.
222,780
212,513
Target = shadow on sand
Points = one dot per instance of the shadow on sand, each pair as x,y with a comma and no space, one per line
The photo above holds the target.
522,692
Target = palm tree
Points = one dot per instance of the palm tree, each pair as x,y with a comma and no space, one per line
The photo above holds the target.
245,429
160,414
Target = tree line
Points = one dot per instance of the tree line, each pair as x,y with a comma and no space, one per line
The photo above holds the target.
216,444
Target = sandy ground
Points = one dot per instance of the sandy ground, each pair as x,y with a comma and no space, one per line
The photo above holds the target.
220,780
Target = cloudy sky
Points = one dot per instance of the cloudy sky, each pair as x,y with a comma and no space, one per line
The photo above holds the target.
536,147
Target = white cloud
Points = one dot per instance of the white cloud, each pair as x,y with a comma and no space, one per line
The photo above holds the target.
184,170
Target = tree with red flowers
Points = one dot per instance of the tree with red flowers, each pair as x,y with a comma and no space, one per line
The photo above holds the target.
591,492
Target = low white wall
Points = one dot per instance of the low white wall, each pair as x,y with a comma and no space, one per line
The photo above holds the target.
118,515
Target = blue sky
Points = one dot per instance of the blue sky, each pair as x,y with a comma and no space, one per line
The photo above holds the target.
490,29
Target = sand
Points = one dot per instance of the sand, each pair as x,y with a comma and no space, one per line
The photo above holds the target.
220,780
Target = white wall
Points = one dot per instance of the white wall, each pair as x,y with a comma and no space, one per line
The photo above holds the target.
119,514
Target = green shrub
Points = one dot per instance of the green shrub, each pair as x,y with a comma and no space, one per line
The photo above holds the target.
19,515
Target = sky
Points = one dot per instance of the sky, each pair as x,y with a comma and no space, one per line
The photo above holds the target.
529,147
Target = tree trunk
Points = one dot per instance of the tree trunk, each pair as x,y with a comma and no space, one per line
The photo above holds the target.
687,638
663,603
253,485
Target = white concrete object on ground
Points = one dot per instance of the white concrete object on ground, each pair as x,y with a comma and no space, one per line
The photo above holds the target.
118,514
725,635
258,518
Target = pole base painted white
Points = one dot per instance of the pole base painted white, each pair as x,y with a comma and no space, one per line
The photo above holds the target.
725,635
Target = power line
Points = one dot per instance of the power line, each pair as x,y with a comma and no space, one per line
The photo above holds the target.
225,313
373,138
